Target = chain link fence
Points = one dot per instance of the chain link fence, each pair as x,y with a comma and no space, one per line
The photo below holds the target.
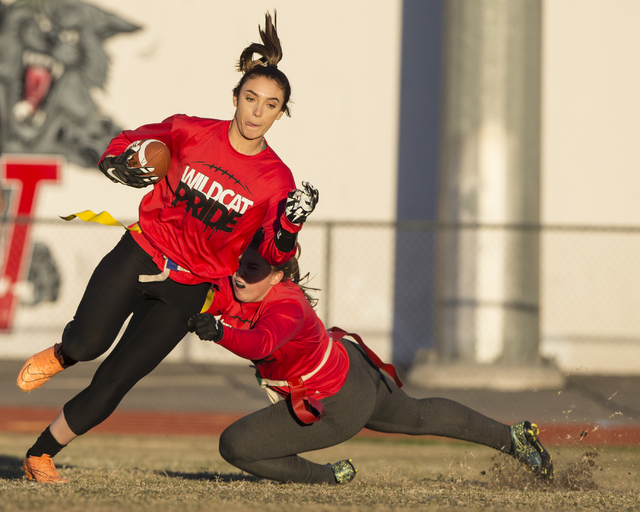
384,280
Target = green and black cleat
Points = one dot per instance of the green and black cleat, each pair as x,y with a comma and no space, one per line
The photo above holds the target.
528,449
344,471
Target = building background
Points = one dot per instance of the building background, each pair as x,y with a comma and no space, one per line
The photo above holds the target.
365,130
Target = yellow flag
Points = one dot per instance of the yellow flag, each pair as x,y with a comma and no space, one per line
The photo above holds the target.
104,218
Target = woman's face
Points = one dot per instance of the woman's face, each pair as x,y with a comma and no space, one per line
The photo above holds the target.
258,106
254,277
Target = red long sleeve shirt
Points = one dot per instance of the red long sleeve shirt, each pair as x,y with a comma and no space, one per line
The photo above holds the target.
204,213
283,337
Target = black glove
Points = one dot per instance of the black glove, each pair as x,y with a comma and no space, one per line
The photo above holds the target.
117,170
206,326
301,203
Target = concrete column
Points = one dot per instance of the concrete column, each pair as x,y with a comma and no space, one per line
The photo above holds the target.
488,278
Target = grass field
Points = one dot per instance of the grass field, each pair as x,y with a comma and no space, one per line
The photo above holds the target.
187,474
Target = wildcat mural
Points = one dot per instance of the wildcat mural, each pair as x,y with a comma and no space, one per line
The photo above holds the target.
52,55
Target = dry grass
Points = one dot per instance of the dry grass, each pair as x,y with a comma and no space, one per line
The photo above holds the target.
187,474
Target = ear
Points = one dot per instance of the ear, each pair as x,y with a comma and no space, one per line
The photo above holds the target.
280,114
105,24
235,101
276,278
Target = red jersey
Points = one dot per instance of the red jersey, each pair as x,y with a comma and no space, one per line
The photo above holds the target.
203,215
283,337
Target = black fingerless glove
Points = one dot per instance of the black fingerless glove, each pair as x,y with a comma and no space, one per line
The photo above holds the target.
206,326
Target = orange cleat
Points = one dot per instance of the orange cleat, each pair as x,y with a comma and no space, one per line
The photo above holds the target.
42,470
40,368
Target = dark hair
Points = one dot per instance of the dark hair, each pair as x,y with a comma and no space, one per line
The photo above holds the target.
291,272
267,64
289,269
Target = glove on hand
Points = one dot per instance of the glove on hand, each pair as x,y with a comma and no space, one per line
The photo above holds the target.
301,203
117,170
206,326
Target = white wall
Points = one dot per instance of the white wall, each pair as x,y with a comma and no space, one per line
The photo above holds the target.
591,79
590,176
342,59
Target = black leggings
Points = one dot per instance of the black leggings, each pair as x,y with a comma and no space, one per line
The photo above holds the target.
266,443
160,313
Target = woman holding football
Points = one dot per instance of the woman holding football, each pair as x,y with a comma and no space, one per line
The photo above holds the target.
224,185
332,387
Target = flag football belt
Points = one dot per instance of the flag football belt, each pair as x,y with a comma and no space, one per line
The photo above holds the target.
106,219
168,266
307,409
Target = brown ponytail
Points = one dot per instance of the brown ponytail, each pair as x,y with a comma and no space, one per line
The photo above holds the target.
266,65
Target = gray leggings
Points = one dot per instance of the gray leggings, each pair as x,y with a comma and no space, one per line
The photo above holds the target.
267,442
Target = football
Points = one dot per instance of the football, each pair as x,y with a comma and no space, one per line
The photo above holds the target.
152,153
